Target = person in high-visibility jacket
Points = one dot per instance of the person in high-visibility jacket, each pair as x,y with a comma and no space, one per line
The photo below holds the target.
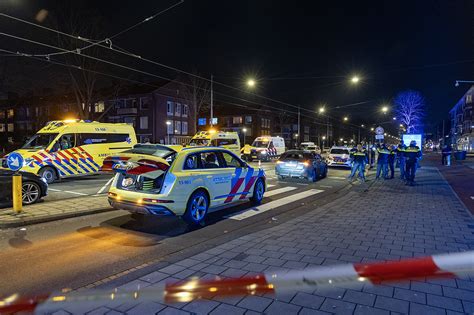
391,161
360,158
382,161
401,159
412,155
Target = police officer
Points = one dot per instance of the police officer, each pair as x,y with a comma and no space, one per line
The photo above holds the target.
382,161
401,159
359,156
412,155
391,161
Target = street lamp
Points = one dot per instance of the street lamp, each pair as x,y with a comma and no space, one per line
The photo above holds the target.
372,129
355,79
322,109
245,133
346,118
251,83
384,109
168,123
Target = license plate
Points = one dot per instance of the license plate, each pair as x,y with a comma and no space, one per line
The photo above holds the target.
254,156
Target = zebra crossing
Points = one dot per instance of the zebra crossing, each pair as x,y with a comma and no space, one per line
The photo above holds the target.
271,205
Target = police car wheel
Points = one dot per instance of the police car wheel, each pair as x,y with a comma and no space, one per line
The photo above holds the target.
48,174
196,208
258,191
31,193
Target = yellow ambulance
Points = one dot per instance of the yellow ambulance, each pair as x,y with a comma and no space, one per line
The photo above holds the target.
67,148
212,138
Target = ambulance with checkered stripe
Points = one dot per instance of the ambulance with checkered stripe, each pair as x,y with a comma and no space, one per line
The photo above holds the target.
68,148
228,140
153,179
264,148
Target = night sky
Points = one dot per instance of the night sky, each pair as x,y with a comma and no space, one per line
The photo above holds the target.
391,45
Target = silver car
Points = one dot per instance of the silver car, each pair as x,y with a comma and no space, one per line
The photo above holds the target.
301,164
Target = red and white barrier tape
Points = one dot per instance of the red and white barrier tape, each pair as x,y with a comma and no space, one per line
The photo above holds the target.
438,266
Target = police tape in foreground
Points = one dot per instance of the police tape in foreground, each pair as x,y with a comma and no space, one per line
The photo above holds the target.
437,266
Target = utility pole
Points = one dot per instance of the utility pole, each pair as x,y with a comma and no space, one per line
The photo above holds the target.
443,137
299,134
212,101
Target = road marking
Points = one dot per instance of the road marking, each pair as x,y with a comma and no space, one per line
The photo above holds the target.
278,191
336,177
270,186
324,186
244,214
302,184
105,186
52,189
75,193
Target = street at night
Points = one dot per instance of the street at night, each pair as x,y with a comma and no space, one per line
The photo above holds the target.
216,157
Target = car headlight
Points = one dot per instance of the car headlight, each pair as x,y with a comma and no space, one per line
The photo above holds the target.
263,152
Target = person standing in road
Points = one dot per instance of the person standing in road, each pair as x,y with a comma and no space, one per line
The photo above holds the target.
449,151
391,161
382,161
412,156
353,163
359,156
444,155
401,159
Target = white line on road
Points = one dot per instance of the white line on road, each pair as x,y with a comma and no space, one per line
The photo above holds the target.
278,191
336,177
105,186
76,193
244,214
52,189
270,186
324,186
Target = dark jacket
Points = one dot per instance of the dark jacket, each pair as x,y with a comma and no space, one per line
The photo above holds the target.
399,150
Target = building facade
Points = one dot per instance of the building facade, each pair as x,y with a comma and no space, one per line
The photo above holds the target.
462,123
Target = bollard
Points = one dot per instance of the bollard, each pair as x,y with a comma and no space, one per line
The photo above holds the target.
17,193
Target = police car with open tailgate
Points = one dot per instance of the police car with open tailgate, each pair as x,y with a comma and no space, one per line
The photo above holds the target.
159,180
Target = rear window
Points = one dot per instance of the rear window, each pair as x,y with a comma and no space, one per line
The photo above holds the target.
339,151
159,151
294,155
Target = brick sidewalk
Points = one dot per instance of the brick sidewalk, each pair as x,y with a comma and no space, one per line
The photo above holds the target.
54,210
389,222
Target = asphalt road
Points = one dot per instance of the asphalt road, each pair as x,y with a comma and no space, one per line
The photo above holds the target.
79,251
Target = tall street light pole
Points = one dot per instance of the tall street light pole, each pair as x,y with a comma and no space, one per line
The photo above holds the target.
168,124
212,101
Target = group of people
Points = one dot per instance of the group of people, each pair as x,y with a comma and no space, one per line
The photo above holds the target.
406,157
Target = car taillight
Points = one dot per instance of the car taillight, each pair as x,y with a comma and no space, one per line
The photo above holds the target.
157,200
279,162
306,163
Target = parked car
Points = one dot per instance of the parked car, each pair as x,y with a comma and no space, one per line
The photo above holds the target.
339,156
310,146
301,164
34,188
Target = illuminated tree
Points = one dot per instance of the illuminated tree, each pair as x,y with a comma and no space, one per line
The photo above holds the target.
410,109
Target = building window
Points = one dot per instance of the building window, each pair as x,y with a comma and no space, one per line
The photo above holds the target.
265,123
170,108
99,107
185,110
144,103
170,127
178,110
2,114
214,121
10,113
144,122
237,120
2,128
248,119
11,128
130,121
177,127
119,104
184,127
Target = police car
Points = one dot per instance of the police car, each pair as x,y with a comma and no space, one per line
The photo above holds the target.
158,180
339,156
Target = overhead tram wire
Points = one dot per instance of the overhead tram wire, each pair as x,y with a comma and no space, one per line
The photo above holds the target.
154,62
146,73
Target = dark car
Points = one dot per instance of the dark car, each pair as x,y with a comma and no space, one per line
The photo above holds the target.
301,164
34,188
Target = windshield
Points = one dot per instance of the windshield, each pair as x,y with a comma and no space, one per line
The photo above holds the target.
260,143
339,151
40,141
199,142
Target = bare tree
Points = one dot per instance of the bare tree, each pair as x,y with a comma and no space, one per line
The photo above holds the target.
82,83
410,109
197,92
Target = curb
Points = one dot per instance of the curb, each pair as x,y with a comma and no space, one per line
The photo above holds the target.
50,218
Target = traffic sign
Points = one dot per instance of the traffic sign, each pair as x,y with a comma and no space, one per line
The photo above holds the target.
379,131
379,137
15,161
